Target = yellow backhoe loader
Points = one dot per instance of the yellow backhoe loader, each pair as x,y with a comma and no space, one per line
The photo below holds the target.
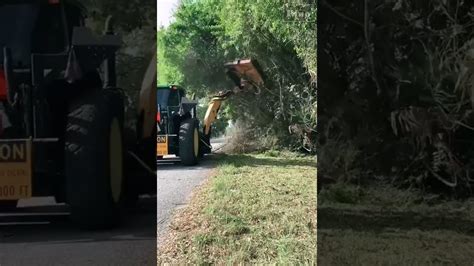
178,127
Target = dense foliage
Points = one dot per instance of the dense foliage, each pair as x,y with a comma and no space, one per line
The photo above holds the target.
135,21
280,35
397,87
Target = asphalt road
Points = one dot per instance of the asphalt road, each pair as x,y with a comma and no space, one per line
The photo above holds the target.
44,236
41,234
176,183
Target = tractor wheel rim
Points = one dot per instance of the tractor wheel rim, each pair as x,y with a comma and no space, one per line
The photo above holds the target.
196,142
116,160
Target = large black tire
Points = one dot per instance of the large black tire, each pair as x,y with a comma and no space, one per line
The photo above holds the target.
94,159
189,142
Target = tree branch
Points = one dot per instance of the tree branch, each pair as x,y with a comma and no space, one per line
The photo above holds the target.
342,15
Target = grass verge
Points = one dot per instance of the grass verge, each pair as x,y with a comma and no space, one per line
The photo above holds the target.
382,225
258,209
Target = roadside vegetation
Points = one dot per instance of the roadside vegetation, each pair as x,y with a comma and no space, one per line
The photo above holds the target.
260,206
382,225
395,135
398,98
258,209
280,35
135,22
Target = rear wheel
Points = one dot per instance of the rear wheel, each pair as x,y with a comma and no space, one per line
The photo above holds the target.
189,142
94,159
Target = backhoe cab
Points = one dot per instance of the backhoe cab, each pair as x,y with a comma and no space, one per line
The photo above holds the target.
178,127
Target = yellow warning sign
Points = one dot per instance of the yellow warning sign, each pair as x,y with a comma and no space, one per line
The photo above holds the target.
15,169
162,145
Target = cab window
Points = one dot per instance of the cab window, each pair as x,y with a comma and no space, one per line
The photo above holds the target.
174,98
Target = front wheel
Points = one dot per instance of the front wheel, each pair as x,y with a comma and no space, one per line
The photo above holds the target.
189,142
94,159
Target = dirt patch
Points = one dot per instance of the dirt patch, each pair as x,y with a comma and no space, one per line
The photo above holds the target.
186,220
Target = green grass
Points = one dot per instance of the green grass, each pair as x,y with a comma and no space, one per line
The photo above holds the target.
258,209
382,225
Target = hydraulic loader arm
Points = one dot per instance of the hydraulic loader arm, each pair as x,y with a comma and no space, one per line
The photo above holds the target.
246,74
147,102
213,110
